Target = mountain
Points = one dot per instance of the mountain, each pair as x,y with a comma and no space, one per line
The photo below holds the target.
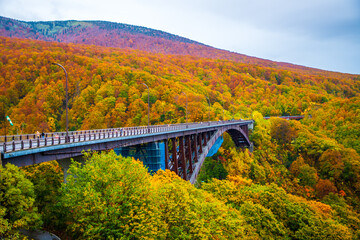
110,34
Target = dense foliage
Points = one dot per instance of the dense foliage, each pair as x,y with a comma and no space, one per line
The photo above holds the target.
278,215
114,197
111,197
17,208
47,178
338,119
307,182
106,90
212,168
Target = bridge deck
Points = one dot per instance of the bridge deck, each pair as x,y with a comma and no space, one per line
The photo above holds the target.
190,144
54,145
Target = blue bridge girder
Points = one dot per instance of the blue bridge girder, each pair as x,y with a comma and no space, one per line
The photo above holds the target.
186,145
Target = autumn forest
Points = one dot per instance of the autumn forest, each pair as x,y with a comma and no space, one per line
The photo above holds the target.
301,181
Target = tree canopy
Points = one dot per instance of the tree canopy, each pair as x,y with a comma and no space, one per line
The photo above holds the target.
17,207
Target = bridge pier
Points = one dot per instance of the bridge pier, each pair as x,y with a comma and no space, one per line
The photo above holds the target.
151,154
199,139
189,152
66,162
166,144
182,157
195,140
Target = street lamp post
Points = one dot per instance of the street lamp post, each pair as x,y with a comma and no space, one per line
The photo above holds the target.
66,89
223,114
209,107
5,129
148,106
186,107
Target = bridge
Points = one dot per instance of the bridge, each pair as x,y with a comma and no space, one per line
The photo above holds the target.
299,117
185,145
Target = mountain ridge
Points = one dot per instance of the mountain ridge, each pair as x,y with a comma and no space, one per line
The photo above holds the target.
126,36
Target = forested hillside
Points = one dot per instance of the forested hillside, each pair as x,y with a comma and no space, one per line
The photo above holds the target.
302,181
105,87
124,36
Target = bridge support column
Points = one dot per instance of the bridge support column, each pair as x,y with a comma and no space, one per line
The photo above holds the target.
151,154
196,148
200,142
166,143
189,152
182,157
174,156
205,138
66,162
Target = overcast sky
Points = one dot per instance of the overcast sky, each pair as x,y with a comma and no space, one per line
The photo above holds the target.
323,34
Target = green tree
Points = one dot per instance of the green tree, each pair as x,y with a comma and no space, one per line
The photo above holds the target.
110,197
348,216
263,220
191,213
261,134
17,210
47,178
238,162
212,168
307,175
302,219
331,164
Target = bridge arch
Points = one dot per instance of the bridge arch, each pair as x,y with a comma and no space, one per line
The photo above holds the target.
239,135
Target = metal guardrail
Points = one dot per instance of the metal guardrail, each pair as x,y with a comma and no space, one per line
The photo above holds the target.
13,143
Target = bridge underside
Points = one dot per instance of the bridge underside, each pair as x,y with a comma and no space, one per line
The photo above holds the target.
185,154
239,139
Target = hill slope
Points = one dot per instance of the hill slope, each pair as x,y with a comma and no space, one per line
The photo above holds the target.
109,34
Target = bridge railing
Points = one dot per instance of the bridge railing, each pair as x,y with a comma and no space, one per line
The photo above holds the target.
12,143
299,117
